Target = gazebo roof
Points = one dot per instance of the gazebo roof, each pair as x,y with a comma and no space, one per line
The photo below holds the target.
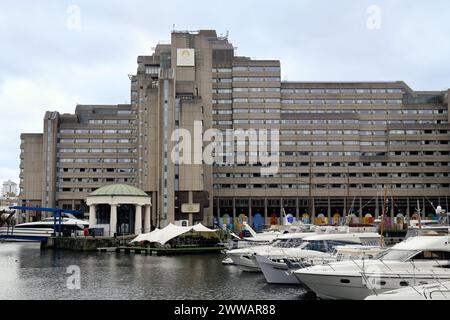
118,190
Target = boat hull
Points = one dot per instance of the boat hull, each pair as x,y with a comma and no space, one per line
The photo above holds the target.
246,262
354,287
437,291
25,235
275,273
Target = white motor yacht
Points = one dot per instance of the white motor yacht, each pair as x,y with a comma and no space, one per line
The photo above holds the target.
68,223
245,258
416,261
315,249
256,239
44,229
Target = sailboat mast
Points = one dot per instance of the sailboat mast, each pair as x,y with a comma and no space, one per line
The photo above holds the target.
347,194
310,189
382,217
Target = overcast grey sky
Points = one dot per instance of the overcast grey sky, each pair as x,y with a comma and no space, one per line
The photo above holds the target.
47,63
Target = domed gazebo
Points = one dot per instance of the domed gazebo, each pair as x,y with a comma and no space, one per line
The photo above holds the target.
119,205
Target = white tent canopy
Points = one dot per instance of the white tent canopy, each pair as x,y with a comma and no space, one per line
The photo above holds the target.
201,228
170,232
147,236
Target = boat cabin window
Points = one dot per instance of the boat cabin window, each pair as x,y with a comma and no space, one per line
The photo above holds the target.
288,243
397,255
432,255
371,242
404,284
35,226
325,245
316,246
433,231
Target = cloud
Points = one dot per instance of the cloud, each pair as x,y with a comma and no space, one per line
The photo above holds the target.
23,104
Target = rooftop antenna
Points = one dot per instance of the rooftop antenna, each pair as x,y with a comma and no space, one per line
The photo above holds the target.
227,35
173,27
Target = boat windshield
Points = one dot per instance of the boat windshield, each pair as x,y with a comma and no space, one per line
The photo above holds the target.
288,243
397,255
427,231
326,246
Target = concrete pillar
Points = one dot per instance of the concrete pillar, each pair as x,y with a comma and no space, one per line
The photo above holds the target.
250,218
191,201
297,209
408,208
154,209
92,216
281,211
313,213
266,211
360,209
391,202
138,220
377,208
329,209
424,212
147,219
234,211
345,209
113,221
218,211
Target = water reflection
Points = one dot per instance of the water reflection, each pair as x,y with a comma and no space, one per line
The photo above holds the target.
26,272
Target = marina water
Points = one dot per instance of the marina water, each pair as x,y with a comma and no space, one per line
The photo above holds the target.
29,273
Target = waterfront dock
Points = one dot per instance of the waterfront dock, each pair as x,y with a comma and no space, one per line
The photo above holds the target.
120,245
85,244
161,251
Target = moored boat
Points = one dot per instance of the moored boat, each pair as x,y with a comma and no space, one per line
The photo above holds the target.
435,291
316,249
416,261
44,229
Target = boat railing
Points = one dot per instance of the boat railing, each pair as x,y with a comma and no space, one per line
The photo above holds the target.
442,292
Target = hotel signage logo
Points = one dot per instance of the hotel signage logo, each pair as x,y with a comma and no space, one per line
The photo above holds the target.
190,208
185,57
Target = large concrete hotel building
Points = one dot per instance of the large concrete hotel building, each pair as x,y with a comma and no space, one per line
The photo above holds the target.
343,146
